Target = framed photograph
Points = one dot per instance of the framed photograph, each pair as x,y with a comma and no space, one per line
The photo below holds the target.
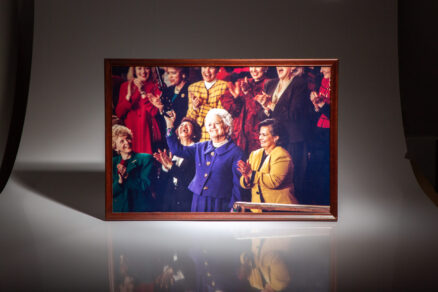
221,139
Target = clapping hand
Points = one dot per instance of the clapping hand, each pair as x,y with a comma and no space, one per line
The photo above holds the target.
196,100
264,99
245,169
165,280
317,102
234,88
123,174
139,83
156,101
128,92
245,86
164,158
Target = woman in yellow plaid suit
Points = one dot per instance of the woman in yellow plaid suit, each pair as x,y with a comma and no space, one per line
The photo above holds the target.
204,95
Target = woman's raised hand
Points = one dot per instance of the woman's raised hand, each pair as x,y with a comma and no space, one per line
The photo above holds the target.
170,119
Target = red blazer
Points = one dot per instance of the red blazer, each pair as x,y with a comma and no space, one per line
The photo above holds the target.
138,114
244,110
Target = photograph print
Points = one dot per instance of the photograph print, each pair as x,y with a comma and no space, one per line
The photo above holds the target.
221,139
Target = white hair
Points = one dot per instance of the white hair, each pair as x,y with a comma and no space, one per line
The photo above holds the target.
225,117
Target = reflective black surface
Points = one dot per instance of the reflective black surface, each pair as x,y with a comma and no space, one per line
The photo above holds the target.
53,244
281,259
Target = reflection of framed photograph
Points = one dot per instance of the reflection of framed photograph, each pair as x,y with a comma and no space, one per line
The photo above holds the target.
221,139
251,260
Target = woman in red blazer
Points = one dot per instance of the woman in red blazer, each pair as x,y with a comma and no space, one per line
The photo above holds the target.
136,111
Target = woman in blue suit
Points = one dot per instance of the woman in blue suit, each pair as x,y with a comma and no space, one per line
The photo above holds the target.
215,185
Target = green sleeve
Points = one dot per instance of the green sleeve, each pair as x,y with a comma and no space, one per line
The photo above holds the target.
143,181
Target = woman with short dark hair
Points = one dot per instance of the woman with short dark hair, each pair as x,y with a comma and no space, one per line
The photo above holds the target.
178,172
269,170
176,95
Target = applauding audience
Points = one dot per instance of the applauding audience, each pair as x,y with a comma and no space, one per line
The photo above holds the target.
282,123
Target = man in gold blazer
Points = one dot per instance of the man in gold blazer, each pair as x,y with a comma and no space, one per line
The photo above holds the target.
204,95
269,170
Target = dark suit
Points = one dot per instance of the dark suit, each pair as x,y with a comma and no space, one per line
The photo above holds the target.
293,110
179,103
177,197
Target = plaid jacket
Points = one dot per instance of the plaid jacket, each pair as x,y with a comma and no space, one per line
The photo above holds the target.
209,99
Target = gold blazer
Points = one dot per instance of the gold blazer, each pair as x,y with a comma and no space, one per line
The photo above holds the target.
274,179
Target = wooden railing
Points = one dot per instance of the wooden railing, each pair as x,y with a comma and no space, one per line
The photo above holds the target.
244,206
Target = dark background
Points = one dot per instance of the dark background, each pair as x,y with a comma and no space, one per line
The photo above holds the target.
418,64
417,70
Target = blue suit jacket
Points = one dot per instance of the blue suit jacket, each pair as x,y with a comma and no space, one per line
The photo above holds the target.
216,169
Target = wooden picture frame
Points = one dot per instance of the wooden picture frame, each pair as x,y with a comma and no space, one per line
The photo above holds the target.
308,117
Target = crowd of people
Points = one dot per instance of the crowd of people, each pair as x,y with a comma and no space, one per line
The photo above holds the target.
198,139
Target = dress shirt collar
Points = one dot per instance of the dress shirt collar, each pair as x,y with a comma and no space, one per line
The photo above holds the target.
209,85
279,91
217,145
221,150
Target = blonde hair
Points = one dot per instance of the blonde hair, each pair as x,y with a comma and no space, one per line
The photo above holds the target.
120,131
131,73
